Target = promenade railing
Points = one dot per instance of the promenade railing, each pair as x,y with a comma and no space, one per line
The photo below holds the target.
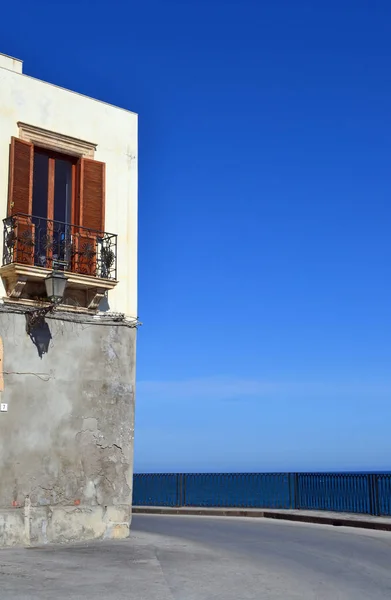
365,493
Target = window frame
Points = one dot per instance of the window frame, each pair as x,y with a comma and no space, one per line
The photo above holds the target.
52,156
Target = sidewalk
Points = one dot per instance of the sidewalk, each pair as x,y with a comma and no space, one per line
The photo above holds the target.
304,516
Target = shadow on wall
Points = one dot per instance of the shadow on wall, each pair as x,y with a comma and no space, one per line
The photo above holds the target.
38,330
40,335
104,305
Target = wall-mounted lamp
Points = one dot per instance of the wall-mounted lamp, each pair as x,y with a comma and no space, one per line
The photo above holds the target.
55,284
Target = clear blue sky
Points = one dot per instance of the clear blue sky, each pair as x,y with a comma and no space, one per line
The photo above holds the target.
265,218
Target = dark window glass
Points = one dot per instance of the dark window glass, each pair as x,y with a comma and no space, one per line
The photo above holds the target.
62,191
40,207
62,212
40,185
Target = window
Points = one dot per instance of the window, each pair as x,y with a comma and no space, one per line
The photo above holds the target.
58,205
53,207
53,189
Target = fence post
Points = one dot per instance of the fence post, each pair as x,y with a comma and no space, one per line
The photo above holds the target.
294,490
373,492
179,489
376,494
184,490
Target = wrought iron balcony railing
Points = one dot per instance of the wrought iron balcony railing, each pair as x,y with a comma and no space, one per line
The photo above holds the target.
39,242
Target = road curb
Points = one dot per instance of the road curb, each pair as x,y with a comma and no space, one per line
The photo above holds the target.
266,514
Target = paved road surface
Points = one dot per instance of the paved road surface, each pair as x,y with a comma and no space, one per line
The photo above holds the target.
201,558
250,559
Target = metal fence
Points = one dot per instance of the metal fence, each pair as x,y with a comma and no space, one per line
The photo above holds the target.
367,493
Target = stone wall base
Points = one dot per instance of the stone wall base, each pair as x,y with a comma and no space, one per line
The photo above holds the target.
39,525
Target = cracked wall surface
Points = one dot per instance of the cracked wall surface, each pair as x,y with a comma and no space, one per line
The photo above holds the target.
66,442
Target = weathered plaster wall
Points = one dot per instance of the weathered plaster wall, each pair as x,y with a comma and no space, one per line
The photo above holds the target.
66,442
114,130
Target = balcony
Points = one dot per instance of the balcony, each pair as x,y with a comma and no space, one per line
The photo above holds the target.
34,246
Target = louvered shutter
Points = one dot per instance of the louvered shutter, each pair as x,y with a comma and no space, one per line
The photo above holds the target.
20,193
91,214
20,199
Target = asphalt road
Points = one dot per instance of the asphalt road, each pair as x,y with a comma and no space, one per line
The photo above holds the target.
242,559
206,558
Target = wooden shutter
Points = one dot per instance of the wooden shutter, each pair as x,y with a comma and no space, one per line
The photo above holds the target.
92,194
91,211
20,191
20,199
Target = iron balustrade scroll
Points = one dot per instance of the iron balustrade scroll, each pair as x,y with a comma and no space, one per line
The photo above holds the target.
49,244
363,493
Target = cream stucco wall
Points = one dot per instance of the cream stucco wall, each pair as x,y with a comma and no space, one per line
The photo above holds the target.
11,63
114,130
